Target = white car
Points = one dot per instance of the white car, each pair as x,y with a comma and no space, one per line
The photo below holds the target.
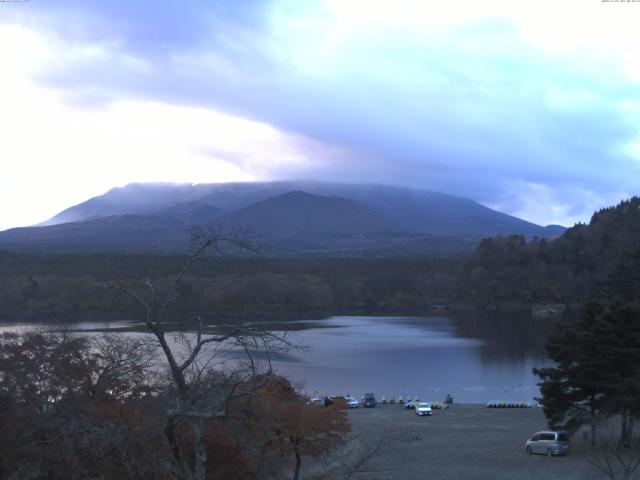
423,408
548,443
352,402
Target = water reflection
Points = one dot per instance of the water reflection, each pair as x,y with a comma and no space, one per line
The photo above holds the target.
428,357
507,338
475,358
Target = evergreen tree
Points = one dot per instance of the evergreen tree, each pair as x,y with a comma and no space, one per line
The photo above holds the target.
597,371
572,392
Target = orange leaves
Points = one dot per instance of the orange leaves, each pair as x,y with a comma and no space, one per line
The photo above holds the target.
288,423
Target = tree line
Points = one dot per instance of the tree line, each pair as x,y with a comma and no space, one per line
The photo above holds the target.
568,270
50,288
594,381
597,358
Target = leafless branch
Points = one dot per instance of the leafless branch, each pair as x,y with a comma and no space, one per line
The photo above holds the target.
610,456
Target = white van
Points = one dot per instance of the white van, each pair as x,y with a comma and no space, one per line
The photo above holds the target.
548,443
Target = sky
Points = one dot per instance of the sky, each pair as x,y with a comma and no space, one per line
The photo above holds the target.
531,108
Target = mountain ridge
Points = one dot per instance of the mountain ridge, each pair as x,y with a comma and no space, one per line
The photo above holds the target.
299,213
150,197
308,216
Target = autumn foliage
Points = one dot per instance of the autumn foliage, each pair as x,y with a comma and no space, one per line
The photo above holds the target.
95,407
292,426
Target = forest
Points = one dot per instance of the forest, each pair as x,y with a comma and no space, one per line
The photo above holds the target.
50,288
566,270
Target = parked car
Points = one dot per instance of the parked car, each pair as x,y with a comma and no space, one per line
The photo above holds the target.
369,401
342,401
334,398
423,408
548,443
352,402
410,404
331,399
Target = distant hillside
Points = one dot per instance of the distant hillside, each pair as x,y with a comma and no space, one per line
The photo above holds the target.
292,224
567,269
117,232
411,209
306,215
292,218
136,198
193,213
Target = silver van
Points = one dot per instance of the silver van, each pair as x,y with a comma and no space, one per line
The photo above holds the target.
548,443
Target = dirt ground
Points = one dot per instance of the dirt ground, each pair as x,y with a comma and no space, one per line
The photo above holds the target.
463,442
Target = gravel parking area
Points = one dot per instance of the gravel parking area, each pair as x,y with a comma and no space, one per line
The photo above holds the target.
463,442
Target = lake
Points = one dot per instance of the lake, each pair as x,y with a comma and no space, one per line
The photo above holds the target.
424,356
475,359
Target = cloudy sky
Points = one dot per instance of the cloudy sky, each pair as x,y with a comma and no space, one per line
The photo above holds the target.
529,107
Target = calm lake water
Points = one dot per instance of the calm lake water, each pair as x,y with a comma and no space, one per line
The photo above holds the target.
474,359
410,356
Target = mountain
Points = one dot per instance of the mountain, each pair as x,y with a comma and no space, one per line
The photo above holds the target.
294,221
414,210
303,214
165,230
193,213
553,231
135,198
115,232
302,218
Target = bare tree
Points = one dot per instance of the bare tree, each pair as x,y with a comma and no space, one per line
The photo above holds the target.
617,459
204,389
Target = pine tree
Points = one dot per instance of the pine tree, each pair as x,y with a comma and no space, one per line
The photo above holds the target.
597,371
572,391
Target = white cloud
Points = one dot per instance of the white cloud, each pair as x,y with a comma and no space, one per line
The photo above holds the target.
544,205
530,106
55,155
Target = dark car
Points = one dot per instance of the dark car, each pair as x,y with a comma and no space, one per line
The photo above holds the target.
369,401
342,400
